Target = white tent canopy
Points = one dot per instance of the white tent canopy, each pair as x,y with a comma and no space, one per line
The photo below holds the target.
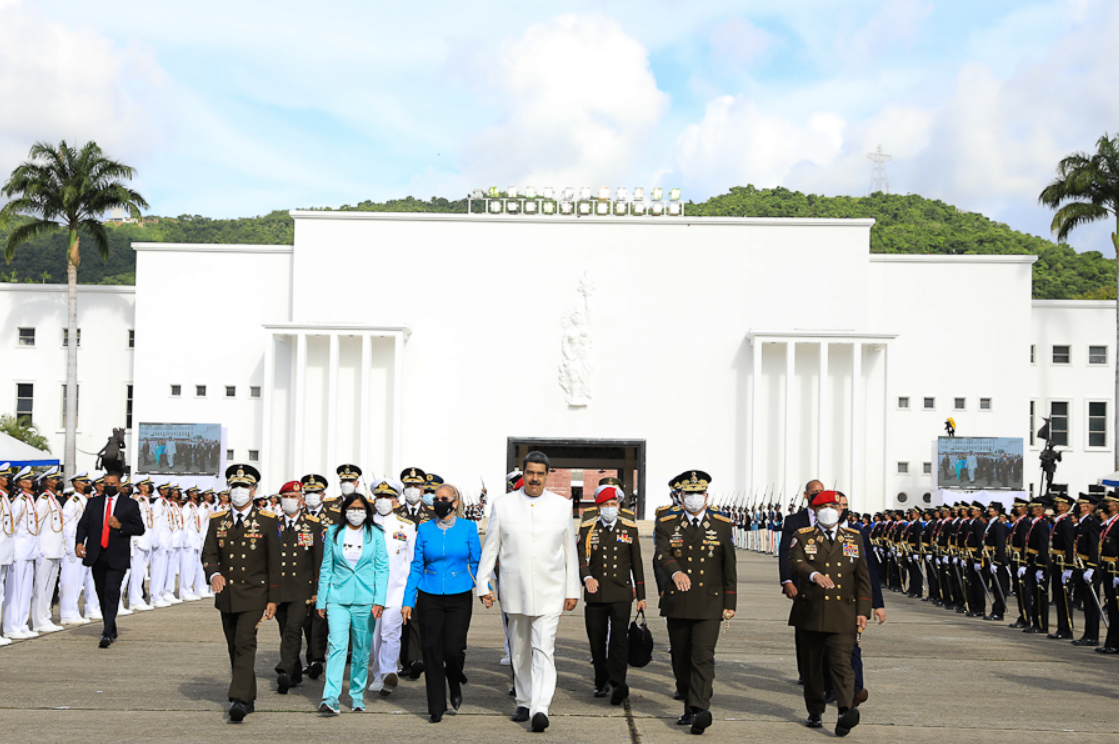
20,453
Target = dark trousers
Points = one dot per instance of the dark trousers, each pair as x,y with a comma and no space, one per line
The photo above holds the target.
1091,612
411,641
934,583
1061,603
999,590
106,581
316,632
240,637
856,667
290,617
1111,607
446,621
1039,596
608,620
916,580
977,598
838,648
693,659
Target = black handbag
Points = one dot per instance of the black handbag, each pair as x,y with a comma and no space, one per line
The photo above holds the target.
640,642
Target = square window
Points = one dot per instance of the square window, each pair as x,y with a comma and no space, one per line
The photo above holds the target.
1061,355
903,468
230,391
200,391
229,455
984,404
254,391
132,339
930,403
1097,424
903,402
254,455
926,468
959,403
176,391
66,337
1058,423
1097,355
26,336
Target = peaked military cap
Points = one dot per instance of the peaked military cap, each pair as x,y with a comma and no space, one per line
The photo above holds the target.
7,469
242,475
432,482
413,477
611,481
696,481
313,483
192,489
82,477
349,472
384,488
146,482
1089,498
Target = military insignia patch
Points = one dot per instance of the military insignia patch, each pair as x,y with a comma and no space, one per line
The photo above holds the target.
400,536
811,549
850,550
624,538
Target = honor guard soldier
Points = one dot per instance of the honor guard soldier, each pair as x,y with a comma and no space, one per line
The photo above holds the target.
971,566
48,510
241,558
695,550
315,628
7,542
1035,572
1062,559
1017,547
301,547
1109,570
413,508
995,558
831,609
1087,559
613,576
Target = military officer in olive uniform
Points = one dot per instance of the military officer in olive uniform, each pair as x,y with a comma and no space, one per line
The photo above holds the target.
831,608
241,557
301,546
613,576
674,495
695,549
315,628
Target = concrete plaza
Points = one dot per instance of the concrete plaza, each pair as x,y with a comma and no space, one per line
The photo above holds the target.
933,676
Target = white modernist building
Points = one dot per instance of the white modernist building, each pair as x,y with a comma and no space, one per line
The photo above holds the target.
764,351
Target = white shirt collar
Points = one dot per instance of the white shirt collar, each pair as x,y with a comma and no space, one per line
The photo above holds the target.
605,523
696,517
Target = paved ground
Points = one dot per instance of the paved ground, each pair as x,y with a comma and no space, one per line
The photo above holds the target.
933,677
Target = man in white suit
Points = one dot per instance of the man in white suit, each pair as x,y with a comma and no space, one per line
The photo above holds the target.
532,534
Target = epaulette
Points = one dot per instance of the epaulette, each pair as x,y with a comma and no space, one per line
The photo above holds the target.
627,522
850,529
218,514
667,518
267,513
662,508
588,522
804,530
311,518
337,508
720,516
628,512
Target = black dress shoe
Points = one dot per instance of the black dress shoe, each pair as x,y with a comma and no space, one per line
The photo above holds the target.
1032,629
994,618
512,691
1087,642
701,721
106,641
1107,650
415,670
1017,624
1060,635
621,692
600,692
685,720
520,715
435,718
974,614
848,720
456,700
539,722
283,683
315,670
814,721
237,711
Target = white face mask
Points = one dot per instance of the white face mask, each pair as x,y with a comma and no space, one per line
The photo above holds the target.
694,502
413,495
240,496
609,514
290,506
355,516
314,500
828,516
384,506
348,487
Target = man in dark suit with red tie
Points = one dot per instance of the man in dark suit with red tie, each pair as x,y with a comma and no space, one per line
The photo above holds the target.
103,542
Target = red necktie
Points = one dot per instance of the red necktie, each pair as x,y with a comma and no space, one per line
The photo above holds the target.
105,524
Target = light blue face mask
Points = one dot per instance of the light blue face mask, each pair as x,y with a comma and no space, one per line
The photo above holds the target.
429,499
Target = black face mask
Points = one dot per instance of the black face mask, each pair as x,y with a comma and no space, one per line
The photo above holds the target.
442,508
110,490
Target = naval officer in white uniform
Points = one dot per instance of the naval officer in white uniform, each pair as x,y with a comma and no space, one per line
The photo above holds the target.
400,541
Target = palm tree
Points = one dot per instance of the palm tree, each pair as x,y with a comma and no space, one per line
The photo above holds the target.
68,188
1086,190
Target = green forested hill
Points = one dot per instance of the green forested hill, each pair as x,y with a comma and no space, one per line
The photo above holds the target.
905,224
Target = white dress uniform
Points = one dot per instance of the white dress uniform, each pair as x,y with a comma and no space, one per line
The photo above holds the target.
141,557
21,576
400,540
175,523
190,554
75,578
201,586
7,548
534,540
160,548
48,562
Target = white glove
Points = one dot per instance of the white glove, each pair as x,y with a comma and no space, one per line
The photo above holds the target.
1021,571
1088,574
1040,576
994,569
1065,576
1115,582
957,559
979,567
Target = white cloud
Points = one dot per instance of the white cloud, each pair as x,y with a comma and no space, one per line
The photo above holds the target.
576,100
740,43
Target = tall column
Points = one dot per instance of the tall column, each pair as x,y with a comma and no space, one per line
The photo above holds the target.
823,424
300,391
332,402
755,419
364,459
266,401
858,460
397,402
790,387
887,426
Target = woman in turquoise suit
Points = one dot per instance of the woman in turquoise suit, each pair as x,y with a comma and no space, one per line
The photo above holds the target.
352,584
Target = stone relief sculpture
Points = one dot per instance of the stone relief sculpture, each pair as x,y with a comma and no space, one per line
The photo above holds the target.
577,345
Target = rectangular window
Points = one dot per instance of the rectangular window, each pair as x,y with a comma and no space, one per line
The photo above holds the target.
1033,408
1097,424
230,391
903,402
930,403
25,400
984,404
229,455
1060,355
128,408
1058,423
132,339
254,455
927,468
903,468
77,415
254,391
1033,357
26,336
200,391
959,403
1097,355
176,391
66,337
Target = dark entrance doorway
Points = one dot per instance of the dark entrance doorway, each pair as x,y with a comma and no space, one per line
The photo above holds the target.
627,456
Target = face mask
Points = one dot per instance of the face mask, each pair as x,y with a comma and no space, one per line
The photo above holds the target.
240,496
314,500
290,506
429,499
694,502
609,513
110,490
348,487
845,516
443,508
355,516
384,506
828,516
413,495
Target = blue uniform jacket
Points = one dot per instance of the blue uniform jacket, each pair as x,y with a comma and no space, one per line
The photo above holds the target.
445,561
343,584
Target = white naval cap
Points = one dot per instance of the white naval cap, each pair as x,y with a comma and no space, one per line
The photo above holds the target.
50,472
84,475
25,472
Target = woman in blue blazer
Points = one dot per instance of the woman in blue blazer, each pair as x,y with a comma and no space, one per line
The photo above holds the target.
441,590
352,584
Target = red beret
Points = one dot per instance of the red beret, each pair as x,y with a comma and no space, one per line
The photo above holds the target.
606,493
291,487
824,498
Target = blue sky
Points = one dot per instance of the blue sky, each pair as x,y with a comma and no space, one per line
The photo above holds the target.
238,108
